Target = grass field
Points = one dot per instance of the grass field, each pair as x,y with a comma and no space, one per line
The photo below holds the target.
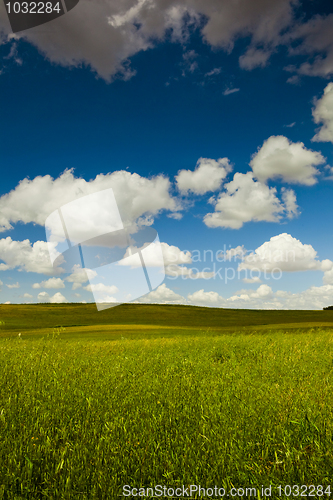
163,395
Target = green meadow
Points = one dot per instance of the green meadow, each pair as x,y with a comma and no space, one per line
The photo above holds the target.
145,395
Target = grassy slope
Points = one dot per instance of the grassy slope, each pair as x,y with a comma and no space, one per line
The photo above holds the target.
22,318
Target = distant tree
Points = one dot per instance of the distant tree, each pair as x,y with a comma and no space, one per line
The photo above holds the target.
328,308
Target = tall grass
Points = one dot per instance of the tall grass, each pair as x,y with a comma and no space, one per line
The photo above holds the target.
80,419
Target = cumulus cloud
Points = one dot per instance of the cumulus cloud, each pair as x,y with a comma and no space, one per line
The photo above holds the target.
312,298
57,298
323,113
233,253
254,58
162,294
255,279
80,275
26,256
245,200
292,162
137,197
43,296
327,267
27,296
207,176
265,298
313,38
173,259
289,199
105,34
262,292
229,20
50,283
14,285
285,253
173,255
202,298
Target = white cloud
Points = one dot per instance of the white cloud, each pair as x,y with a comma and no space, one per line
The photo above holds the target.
255,279
189,62
230,91
80,275
14,285
264,298
213,72
136,197
50,283
312,298
233,253
27,296
154,257
323,113
207,176
176,216
106,298
327,267
279,157
173,258
285,253
313,38
58,298
171,255
289,199
104,35
43,296
262,292
243,201
293,80
162,294
254,58
202,298
26,256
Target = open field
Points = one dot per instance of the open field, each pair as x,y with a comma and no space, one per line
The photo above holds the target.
169,395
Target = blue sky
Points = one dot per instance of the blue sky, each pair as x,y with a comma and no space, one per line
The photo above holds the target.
187,108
